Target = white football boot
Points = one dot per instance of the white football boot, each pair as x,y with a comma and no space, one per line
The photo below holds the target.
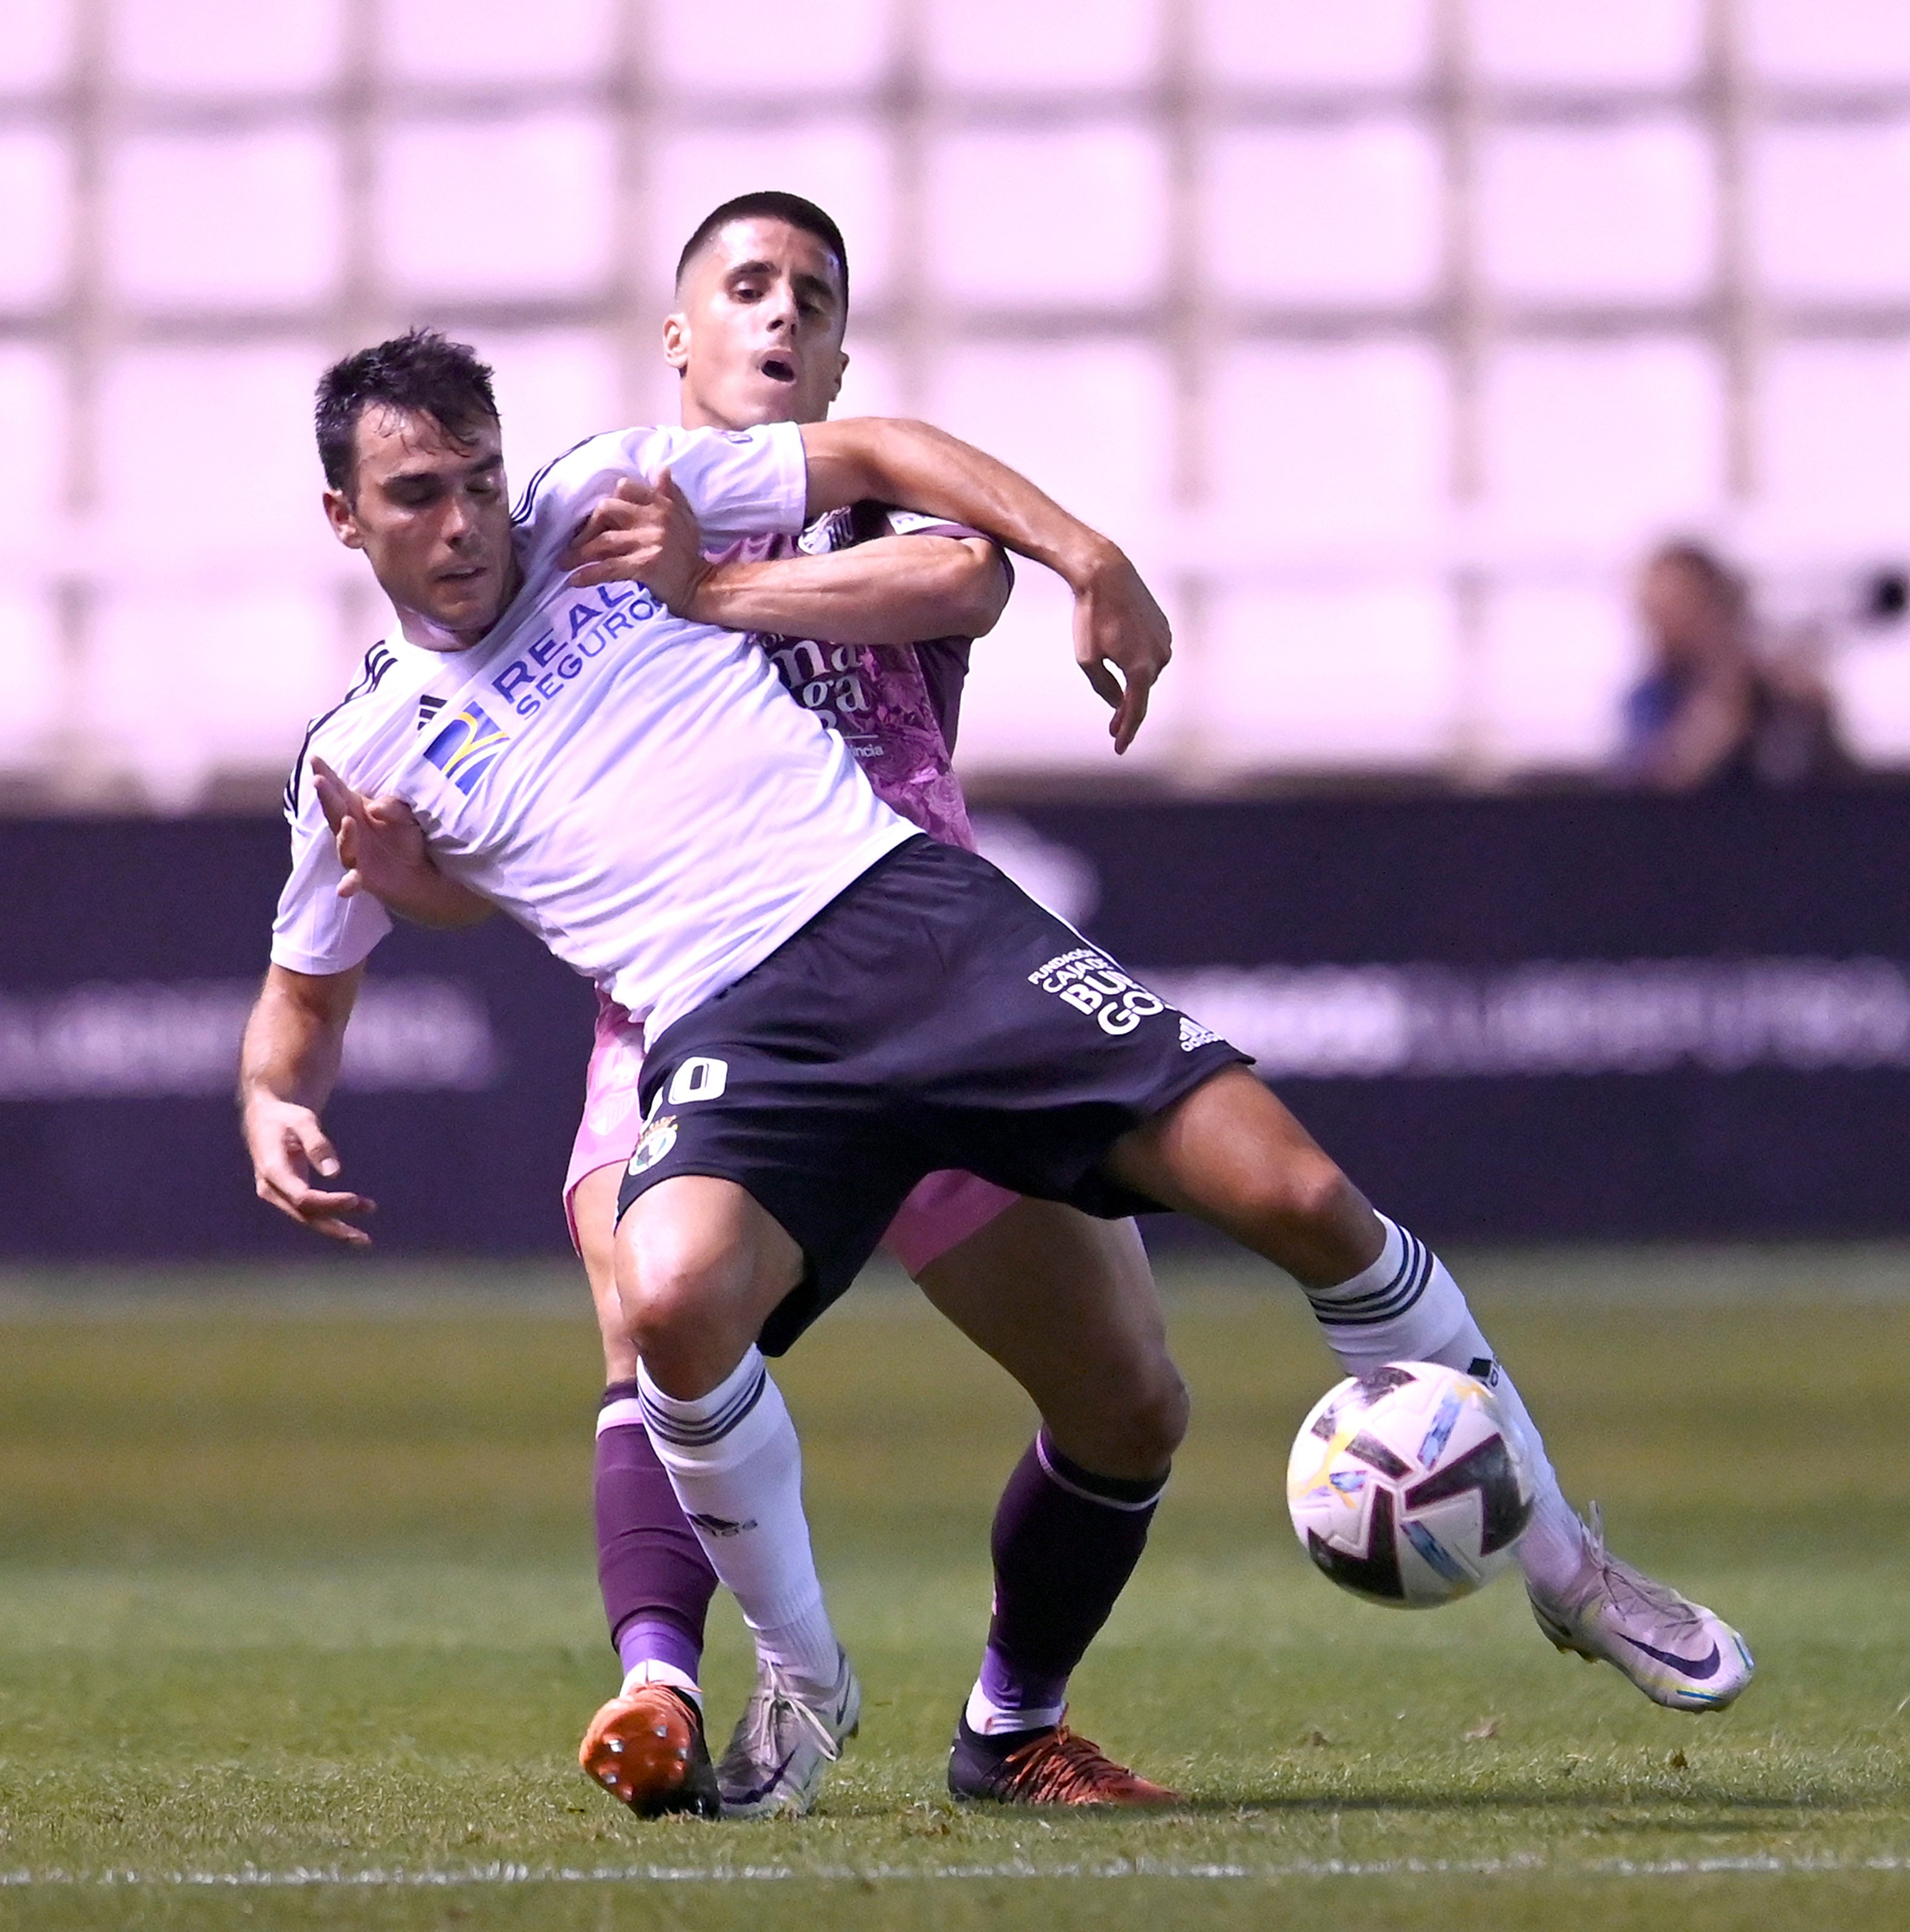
785,1741
1678,1653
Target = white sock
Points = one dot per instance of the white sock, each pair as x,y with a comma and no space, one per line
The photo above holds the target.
654,1670
736,1467
1406,1307
988,1719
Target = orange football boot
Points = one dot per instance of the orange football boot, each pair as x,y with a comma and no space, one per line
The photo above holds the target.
1060,1767
646,1746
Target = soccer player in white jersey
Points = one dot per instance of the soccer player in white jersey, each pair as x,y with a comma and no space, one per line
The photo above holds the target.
833,1006
1065,1301
1100,1362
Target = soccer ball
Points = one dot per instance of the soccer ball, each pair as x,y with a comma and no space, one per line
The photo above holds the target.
1407,1485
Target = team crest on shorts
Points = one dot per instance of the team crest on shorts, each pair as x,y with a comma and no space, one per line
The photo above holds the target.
658,1137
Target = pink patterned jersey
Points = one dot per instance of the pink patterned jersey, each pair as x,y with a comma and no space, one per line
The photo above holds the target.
897,706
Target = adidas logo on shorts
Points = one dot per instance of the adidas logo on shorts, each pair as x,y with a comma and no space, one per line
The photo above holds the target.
1193,1034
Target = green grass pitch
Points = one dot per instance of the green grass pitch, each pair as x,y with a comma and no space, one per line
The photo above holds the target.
299,1625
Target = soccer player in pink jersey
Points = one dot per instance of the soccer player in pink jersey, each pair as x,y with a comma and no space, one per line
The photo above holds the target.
763,295
757,337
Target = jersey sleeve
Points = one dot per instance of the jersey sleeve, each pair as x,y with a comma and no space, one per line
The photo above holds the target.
315,930
915,523
738,483
742,482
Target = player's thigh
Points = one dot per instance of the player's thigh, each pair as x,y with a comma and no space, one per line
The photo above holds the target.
1232,1155
1067,1304
593,1214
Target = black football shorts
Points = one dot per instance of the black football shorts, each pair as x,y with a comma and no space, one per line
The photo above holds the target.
931,1016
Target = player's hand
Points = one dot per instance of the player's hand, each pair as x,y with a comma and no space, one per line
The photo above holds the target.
288,1147
643,533
381,846
1117,624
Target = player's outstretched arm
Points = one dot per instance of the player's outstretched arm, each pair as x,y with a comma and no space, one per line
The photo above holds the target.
891,590
287,1068
1118,625
381,846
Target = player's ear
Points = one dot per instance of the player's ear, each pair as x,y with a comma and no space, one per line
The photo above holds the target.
841,370
676,341
343,520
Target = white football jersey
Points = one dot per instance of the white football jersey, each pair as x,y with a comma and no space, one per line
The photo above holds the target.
638,791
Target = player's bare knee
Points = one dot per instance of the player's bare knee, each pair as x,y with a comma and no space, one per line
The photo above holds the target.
665,1296
1167,1417
1155,1425
661,1282
1134,1432
1307,1194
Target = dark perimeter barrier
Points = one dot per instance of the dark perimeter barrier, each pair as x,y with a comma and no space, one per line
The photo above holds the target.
1515,1018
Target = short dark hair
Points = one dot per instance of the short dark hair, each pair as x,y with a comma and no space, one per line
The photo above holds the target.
769,204
420,371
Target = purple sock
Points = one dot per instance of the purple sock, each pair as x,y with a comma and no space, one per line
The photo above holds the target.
1065,1542
656,1582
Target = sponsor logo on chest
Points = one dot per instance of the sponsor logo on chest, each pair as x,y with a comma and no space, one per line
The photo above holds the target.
466,748
831,680
542,672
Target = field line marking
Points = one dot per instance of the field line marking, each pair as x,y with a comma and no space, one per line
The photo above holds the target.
512,1872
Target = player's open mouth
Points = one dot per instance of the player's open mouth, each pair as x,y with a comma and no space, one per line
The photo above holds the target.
779,369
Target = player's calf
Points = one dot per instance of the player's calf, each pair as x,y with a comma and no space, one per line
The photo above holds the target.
656,1580
1082,1331
736,1467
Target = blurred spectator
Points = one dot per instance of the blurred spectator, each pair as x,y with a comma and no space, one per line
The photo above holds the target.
1713,709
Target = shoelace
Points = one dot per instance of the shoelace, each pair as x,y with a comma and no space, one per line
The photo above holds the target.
1059,1769
1621,1580
772,1697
